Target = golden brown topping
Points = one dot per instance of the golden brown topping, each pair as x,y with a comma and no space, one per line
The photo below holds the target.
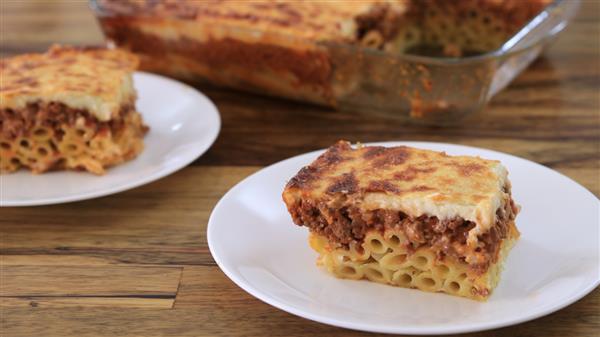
392,170
411,173
390,156
94,79
468,169
346,184
382,186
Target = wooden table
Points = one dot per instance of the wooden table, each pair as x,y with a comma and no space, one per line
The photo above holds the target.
137,263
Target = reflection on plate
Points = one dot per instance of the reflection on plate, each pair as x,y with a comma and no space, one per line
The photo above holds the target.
183,125
555,263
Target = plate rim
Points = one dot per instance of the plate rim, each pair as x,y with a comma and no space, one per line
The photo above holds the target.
306,314
212,137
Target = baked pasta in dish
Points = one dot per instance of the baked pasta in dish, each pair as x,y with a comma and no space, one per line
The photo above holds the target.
289,48
407,217
69,108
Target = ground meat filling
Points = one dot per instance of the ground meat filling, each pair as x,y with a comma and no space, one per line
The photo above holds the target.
21,122
448,238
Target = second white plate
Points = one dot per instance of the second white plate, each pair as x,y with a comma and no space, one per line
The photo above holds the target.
183,125
253,240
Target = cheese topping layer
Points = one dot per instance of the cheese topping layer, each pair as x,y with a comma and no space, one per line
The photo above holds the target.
96,80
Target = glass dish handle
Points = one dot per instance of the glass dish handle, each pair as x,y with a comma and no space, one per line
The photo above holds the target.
528,43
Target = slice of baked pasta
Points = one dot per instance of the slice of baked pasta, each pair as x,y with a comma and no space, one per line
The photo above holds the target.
69,108
407,217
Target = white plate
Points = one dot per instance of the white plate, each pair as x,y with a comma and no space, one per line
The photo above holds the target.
555,263
183,125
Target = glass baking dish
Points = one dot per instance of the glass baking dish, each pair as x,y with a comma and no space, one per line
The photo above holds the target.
421,89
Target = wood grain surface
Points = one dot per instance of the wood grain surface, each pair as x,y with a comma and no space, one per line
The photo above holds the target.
137,263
